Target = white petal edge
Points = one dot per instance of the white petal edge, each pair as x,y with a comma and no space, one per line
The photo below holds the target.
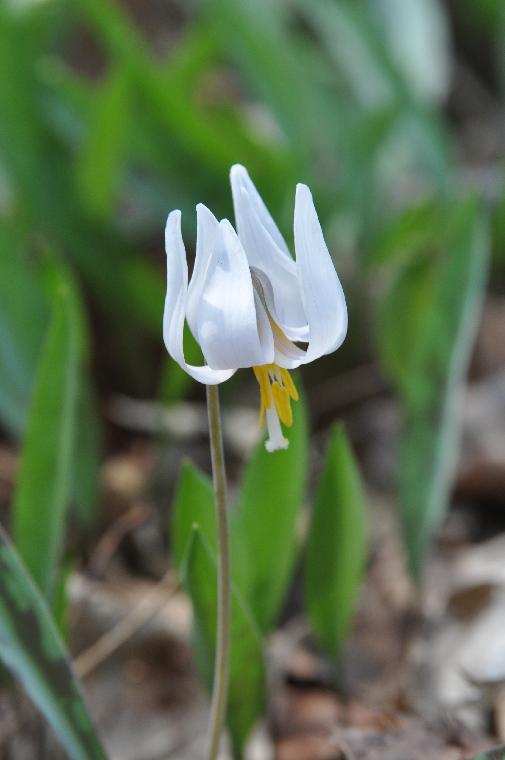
207,229
175,305
239,178
267,252
227,322
322,294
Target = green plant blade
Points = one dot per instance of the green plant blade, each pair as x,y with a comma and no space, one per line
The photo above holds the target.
193,505
246,696
265,520
32,649
427,355
43,487
336,545
99,166
20,336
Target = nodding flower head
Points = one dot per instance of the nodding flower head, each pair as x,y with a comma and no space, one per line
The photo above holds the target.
249,303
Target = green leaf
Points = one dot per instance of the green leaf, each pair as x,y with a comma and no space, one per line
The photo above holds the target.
99,165
435,351
401,318
23,315
407,234
32,649
193,506
265,520
254,32
194,132
44,484
247,671
416,35
336,545
354,43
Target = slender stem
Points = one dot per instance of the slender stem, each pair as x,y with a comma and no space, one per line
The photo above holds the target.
222,662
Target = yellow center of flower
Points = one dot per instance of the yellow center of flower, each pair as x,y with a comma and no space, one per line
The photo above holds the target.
278,389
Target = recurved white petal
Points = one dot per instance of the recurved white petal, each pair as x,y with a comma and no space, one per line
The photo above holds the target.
227,323
207,230
321,291
267,252
175,304
240,180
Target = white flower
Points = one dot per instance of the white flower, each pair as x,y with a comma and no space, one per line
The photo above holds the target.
249,303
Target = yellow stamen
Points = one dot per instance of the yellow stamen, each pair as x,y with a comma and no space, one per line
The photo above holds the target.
282,404
261,374
289,384
277,388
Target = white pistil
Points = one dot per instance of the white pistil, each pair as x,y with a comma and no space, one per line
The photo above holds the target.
275,439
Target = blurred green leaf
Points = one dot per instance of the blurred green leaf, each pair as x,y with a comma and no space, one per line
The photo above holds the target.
33,651
23,315
427,351
402,317
247,671
254,32
44,482
100,162
409,233
265,520
360,54
193,505
196,131
20,135
336,545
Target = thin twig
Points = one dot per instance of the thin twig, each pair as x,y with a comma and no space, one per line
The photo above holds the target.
145,611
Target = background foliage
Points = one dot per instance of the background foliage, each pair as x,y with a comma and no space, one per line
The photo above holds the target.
110,117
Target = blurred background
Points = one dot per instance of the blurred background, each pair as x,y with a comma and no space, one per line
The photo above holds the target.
111,115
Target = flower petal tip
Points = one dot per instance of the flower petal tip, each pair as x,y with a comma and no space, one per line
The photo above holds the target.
303,194
173,217
237,171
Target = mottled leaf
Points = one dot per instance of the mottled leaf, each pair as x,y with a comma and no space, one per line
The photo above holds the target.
32,649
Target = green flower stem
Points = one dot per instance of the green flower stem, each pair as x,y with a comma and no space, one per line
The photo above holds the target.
222,661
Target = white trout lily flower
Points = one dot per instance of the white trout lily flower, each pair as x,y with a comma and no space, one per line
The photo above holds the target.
249,303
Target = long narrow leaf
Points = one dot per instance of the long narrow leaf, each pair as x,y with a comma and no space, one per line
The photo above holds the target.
428,451
336,545
247,672
265,520
23,314
99,166
426,353
32,649
43,489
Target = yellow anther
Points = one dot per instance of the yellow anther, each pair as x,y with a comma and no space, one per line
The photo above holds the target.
288,382
282,404
276,388
261,374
